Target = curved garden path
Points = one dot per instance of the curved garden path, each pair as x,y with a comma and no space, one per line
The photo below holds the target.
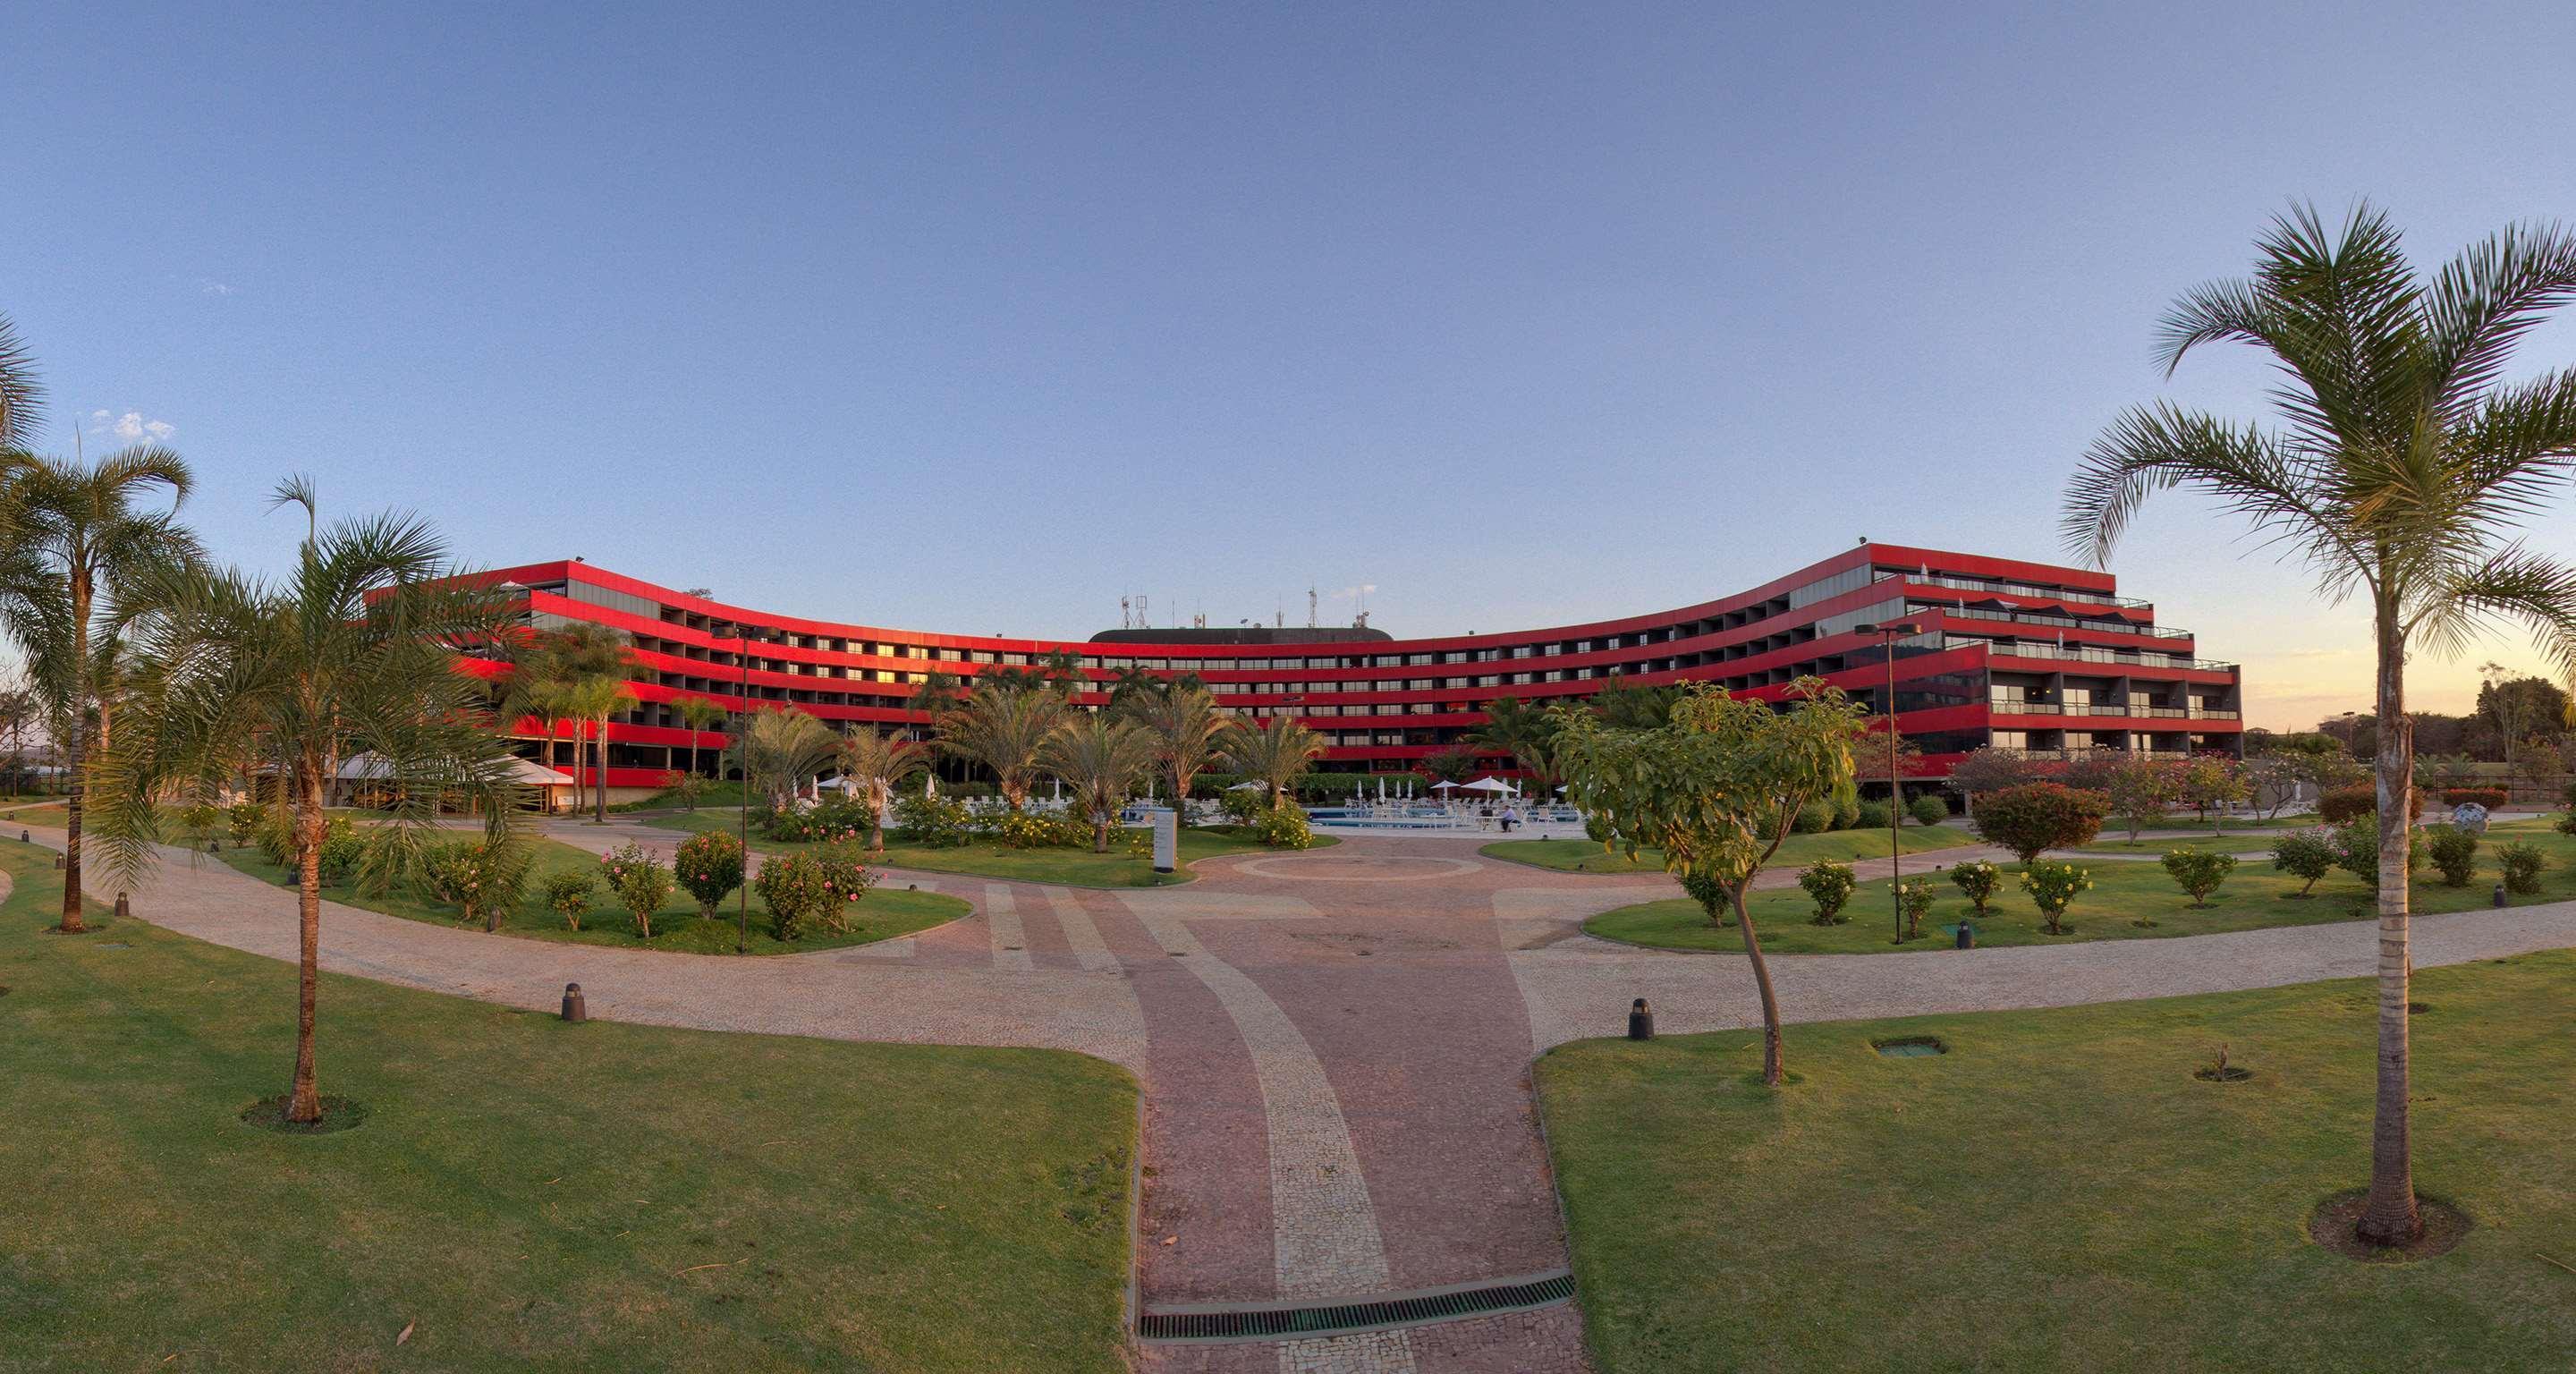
1335,1046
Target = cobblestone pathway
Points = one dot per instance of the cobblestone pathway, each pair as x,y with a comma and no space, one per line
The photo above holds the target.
1335,1046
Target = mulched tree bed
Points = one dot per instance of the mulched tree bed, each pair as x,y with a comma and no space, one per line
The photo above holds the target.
338,1114
2336,1222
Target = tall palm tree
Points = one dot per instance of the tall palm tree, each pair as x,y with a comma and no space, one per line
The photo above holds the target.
22,397
1002,725
878,762
577,673
1099,756
2400,458
1185,724
356,651
698,715
1273,752
779,748
83,550
590,700
1525,732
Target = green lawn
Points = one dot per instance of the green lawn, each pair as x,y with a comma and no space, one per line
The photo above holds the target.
2124,893
1584,856
1068,867
524,1194
886,911
2057,1192
2251,842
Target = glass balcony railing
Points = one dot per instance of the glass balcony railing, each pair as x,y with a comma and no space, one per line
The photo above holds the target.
2142,658
1981,584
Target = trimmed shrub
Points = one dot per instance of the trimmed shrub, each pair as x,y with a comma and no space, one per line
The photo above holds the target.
568,893
2199,872
2567,824
933,822
480,879
640,881
342,849
2356,845
200,819
1245,806
2036,817
1928,810
708,866
1914,898
1284,827
2522,862
2488,797
806,893
1031,830
1812,818
1978,880
2308,854
2454,851
1830,885
2053,887
1873,816
1846,813
2362,799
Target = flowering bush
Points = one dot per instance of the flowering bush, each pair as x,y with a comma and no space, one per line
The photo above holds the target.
1284,827
2356,846
807,891
2308,854
2199,872
568,893
2522,864
2053,887
640,881
1246,806
478,878
242,820
1830,884
1033,830
1914,898
1978,880
821,823
708,866
934,822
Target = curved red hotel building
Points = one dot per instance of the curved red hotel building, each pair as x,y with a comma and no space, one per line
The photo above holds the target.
2008,654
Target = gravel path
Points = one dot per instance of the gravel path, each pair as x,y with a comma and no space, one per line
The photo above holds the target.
1335,1046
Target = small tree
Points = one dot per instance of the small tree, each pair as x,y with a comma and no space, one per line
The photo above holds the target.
708,866
2306,854
2212,785
2454,851
568,893
2199,872
1914,898
2522,863
640,881
1715,790
2037,817
1985,772
1978,880
1830,885
2141,791
2053,888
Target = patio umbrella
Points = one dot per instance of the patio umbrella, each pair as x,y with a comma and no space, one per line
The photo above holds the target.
1442,786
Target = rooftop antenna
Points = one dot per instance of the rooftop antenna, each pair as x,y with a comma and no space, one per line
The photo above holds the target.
1310,606
1123,622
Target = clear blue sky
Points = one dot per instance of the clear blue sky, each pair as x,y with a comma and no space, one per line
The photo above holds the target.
975,320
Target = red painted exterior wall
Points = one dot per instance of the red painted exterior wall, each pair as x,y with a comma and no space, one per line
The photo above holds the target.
1949,692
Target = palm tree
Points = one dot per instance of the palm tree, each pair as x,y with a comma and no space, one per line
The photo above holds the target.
1449,765
82,553
1185,724
591,699
1100,756
2399,458
1273,752
878,762
1525,732
576,673
1002,725
779,748
699,715
356,652
22,397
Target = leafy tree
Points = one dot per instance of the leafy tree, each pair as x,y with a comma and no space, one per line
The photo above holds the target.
1003,725
355,652
2511,707
2198,872
1273,752
1449,765
2037,817
2210,786
82,556
1985,771
1101,757
2402,462
1715,789
2141,791
878,764
2304,854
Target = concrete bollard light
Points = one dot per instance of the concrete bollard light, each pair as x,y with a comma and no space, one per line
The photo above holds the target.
58,861
1967,935
2499,894
123,907
573,1007
1641,1021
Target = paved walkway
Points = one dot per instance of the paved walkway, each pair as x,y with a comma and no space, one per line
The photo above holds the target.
1335,1046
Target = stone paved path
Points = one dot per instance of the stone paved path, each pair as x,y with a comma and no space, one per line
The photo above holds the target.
1335,1046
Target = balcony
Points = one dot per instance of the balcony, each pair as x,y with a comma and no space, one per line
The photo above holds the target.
2081,655
1978,584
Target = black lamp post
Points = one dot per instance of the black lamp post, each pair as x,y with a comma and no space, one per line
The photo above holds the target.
1888,634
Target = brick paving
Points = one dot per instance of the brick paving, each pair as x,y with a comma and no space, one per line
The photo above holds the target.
1335,1046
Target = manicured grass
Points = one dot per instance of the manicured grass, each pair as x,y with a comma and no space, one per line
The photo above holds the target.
2124,893
887,911
1069,867
525,1194
2057,1192
1842,846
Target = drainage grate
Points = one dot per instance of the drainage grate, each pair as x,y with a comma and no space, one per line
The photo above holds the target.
1259,1323
1912,1047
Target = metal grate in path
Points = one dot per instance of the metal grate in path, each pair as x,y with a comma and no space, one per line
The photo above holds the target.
1273,1321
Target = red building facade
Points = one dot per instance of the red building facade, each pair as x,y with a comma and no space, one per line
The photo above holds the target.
2015,655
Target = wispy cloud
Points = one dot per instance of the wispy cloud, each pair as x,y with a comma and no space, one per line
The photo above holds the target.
131,427
212,287
1355,592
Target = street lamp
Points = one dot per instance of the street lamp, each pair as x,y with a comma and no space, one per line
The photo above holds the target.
742,814
1887,635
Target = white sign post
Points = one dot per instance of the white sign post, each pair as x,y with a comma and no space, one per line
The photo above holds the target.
1167,841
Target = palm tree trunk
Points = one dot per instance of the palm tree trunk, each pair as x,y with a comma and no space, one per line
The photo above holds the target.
2389,1217
1100,830
599,794
74,783
304,1100
877,789
693,762
1762,982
